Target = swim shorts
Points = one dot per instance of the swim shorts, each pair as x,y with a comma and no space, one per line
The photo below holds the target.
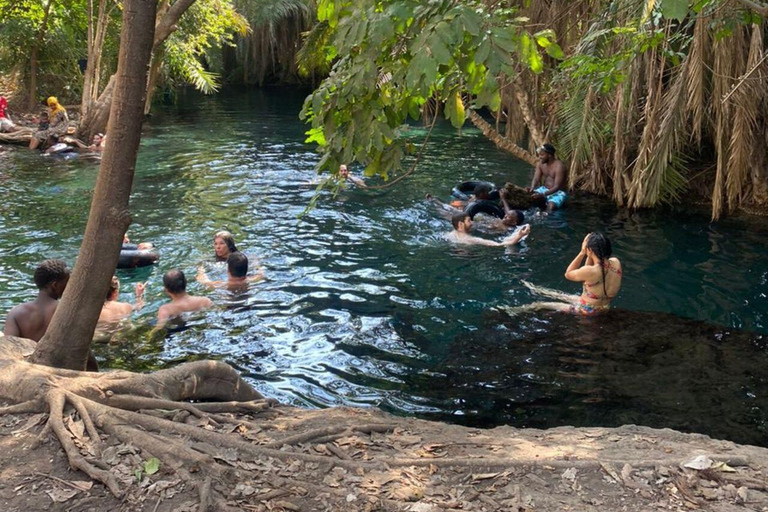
558,198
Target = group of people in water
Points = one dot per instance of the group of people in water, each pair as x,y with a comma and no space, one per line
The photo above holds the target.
31,319
594,266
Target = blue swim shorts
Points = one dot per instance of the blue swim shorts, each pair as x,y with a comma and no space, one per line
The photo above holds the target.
558,198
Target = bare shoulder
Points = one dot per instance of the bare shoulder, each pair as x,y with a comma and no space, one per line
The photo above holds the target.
203,302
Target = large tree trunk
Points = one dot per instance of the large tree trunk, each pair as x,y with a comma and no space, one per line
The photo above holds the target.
498,139
67,342
32,100
96,37
98,114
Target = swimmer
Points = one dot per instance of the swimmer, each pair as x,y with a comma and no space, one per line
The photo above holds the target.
223,245
462,226
97,143
512,218
555,176
175,286
30,320
142,246
599,273
237,274
344,174
113,311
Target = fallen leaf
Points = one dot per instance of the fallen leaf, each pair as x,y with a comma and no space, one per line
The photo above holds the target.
152,466
484,476
83,485
699,462
61,495
33,421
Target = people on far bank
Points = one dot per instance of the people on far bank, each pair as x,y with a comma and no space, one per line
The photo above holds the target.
550,178
600,274
31,319
462,233
58,122
6,125
237,274
175,286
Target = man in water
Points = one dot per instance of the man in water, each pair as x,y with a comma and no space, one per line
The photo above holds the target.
462,227
175,285
511,218
237,274
30,320
344,174
555,176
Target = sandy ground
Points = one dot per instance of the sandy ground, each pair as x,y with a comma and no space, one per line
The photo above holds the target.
364,459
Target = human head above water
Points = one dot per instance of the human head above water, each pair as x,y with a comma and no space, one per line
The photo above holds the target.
459,219
175,281
114,287
343,171
482,191
514,218
223,244
237,264
52,276
599,245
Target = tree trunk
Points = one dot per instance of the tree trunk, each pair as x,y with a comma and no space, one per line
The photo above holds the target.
98,115
498,139
67,342
95,46
32,101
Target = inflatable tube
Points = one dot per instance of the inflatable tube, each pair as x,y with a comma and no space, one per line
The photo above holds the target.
464,190
486,207
59,148
132,258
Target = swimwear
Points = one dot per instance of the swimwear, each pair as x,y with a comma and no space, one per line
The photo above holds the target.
558,198
586,309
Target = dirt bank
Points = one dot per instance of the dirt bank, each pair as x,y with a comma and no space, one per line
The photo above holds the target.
363,459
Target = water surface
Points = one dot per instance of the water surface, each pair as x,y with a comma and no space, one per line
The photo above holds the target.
365,304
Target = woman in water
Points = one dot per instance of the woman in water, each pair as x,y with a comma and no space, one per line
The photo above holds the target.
113,311
599,273
58,124
223,245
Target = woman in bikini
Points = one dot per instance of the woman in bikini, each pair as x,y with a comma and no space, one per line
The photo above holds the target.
597,270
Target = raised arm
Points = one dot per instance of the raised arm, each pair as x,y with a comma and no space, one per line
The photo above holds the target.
140,287
577,271
517,236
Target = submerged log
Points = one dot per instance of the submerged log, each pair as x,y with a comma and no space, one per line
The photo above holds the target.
20,136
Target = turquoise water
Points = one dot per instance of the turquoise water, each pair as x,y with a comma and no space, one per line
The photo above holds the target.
365,304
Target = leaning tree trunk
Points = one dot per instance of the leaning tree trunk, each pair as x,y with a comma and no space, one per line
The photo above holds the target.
67,341
96,36
98,115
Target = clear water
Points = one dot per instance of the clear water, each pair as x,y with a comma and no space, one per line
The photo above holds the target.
365,304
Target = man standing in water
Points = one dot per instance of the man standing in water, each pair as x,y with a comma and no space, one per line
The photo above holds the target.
462,226
237,274
175,284
344,174
30,320
555,176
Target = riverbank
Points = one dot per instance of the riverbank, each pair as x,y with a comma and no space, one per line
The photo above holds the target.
364,459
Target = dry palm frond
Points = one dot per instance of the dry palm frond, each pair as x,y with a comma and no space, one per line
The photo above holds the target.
721,84
746,103
698,57
619,146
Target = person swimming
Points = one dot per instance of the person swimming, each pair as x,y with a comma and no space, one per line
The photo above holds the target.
462,227
599,273
237,274
113,311
223,245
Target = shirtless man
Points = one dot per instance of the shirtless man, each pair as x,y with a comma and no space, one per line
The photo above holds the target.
114,311
237,274
30,320
462,226
175,284
552,171
344,174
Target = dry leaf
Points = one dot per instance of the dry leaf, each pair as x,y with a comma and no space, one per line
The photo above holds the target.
61,495
484,476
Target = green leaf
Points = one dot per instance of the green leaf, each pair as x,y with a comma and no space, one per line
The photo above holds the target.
439,49
674,9
138,474
454,110
152,466
554,51
481,55
315,135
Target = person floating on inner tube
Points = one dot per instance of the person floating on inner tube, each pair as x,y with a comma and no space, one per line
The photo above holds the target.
512,218
553,173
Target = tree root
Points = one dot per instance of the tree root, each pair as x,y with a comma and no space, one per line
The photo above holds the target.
30,406
329,432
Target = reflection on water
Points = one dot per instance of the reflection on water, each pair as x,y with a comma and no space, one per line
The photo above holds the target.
364,303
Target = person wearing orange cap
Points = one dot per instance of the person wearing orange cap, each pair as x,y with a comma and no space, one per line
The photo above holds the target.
58,124
6,125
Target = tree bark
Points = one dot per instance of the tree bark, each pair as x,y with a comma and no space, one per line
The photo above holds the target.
67,342
498,139
32,100
98,115
96,37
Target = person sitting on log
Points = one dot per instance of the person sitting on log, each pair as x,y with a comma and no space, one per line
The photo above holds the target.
6,125
554,175
58,124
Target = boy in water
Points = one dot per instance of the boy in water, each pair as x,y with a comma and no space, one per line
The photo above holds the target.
175,284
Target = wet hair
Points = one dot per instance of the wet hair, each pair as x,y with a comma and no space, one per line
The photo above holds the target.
175,281
547,148
237,264
113,286
458,219
519,215
600,246
228,239
49,272
482,190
